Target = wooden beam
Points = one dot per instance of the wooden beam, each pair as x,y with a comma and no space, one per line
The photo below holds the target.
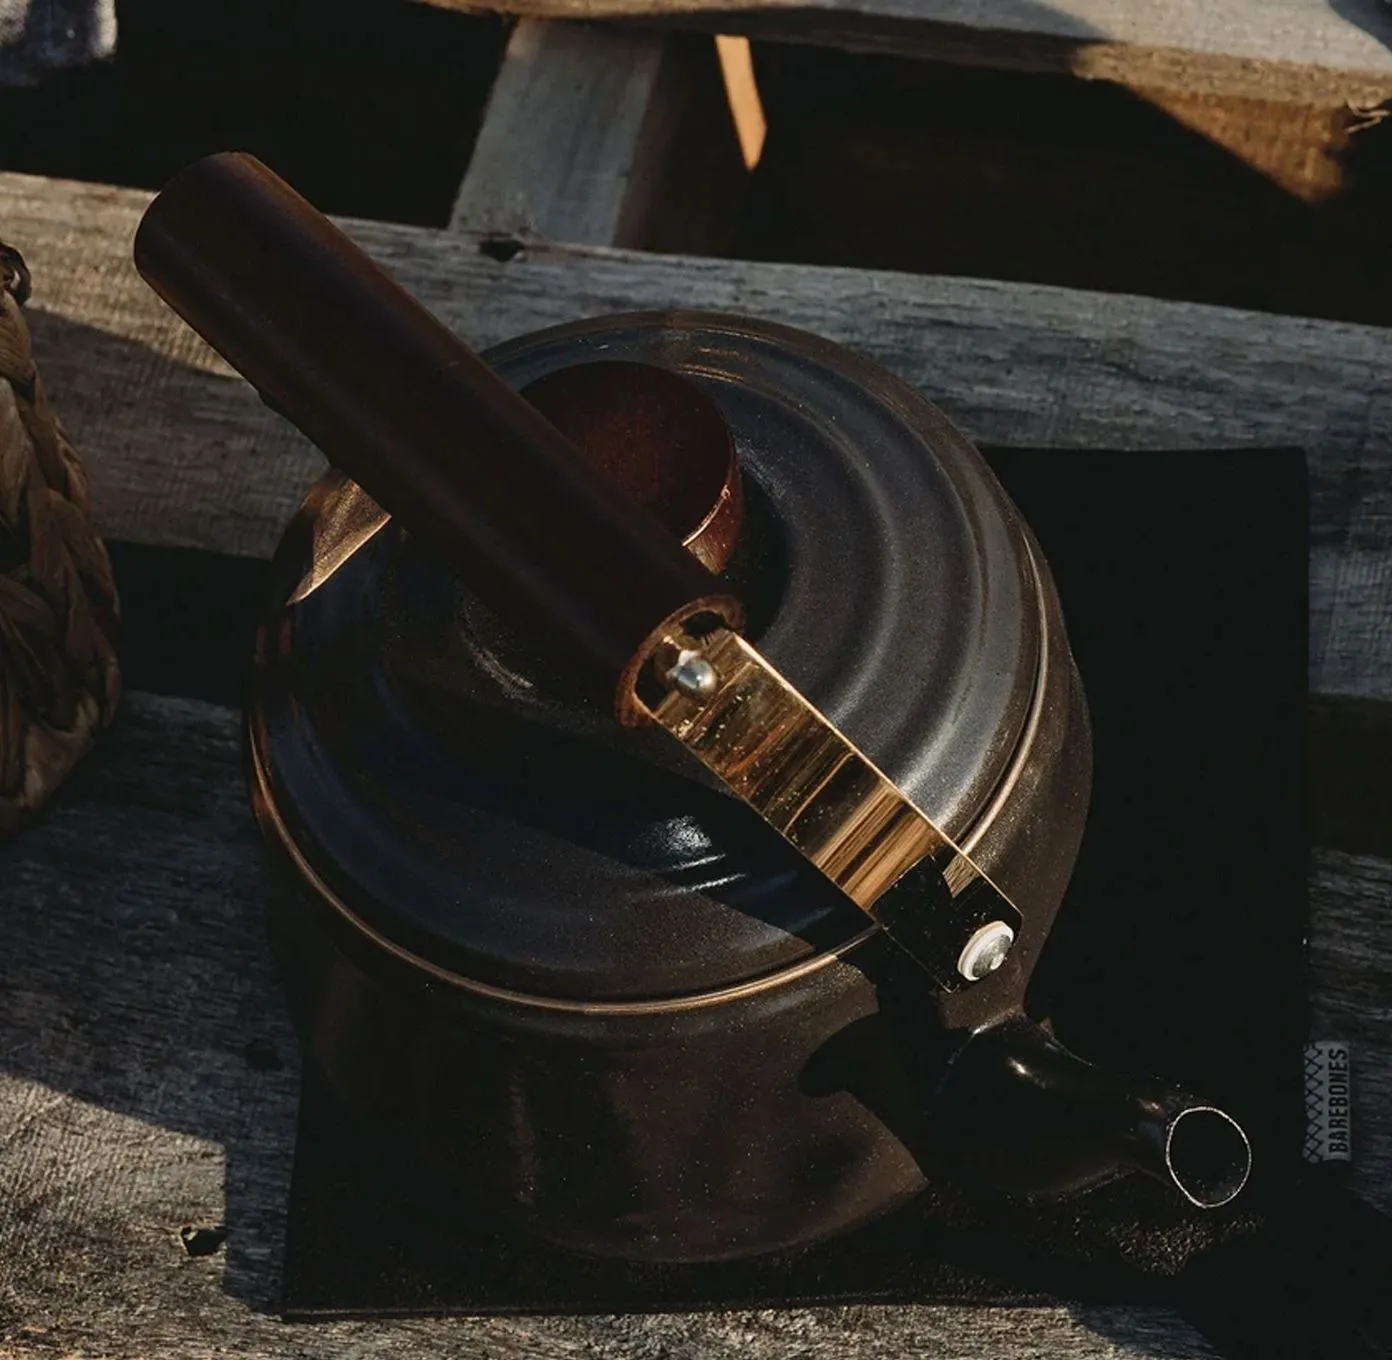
1303,49
593,135
180,452
561,146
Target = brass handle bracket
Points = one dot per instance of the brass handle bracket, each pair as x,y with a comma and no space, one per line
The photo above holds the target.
723,701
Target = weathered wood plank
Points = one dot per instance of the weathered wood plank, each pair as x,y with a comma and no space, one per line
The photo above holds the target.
559,152
1148,70
1300,47
1012,363
135,978
1351,995
581,137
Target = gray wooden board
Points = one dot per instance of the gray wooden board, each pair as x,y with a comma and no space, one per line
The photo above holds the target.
1290,47
604,134
136,974
180,451
559,153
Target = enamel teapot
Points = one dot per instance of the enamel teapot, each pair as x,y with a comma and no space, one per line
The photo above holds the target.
670,760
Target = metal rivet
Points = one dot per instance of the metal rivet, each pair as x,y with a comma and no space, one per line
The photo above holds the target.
693,675
985,951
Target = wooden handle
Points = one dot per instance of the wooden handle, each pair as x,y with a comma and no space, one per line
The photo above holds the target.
405,408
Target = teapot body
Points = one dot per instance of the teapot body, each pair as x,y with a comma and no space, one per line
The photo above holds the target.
577,978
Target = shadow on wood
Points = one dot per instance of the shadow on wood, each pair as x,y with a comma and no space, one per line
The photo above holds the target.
1245,198
138,982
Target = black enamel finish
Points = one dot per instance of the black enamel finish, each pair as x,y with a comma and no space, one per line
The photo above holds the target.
479,835
1018,1113
533,845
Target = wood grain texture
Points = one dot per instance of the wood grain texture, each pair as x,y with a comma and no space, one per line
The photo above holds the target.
148,1078
560,151
1298,46
181,452
603,135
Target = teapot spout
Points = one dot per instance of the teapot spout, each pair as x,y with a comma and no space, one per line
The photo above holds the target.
1022,1114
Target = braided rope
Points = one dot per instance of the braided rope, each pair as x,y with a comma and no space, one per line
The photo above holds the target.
59,679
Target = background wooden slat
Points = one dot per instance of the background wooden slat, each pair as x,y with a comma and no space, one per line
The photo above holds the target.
180,452
148,1077
562,135
598,135
1236,44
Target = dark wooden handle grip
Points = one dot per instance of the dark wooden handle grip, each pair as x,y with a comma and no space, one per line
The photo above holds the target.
406,409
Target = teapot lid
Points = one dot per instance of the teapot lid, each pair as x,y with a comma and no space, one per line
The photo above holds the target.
431,781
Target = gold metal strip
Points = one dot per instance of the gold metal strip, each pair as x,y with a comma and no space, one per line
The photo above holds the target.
757,733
